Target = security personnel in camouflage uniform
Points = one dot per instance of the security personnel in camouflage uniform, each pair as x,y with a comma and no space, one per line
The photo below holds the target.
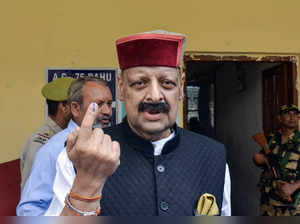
280,180
59,114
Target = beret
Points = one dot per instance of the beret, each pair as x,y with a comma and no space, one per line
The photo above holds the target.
57,90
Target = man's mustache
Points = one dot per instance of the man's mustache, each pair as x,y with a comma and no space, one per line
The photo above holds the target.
160,107
104,117
97,122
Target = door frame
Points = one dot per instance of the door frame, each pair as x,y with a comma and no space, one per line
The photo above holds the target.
241,57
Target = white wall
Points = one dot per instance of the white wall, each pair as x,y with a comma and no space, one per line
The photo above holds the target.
238,118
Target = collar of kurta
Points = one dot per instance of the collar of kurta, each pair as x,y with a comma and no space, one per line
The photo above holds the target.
145,146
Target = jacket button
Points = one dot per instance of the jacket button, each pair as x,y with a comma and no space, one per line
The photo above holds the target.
160,168
164,206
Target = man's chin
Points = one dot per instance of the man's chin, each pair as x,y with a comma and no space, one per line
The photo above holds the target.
98,125
153,117
106,125
292,126
154,128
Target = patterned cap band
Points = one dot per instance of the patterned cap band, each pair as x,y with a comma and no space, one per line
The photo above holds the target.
288,107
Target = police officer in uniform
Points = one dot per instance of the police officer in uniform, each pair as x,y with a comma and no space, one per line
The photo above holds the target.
280,160
59,114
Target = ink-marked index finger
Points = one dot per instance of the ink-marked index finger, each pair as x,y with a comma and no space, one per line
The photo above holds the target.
86,126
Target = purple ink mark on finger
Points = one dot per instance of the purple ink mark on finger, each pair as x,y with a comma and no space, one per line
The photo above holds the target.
93,107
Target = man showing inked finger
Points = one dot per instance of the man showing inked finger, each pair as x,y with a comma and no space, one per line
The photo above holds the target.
146,165
38,191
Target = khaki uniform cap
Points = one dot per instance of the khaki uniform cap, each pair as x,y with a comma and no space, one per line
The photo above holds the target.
57,90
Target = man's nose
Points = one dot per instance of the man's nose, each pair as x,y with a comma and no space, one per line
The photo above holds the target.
106,109
154,93
293,115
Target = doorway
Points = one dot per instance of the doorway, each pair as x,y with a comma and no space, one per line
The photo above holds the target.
232,98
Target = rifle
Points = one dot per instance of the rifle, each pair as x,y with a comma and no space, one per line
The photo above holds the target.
261,140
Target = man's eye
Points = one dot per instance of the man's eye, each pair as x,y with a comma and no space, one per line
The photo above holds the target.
138,84
168,84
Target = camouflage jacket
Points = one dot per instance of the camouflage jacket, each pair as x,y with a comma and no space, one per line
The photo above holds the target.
285,158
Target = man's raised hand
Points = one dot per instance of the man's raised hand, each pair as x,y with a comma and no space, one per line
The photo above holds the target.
93,153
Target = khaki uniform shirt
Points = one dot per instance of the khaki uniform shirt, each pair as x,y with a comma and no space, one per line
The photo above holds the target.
33,144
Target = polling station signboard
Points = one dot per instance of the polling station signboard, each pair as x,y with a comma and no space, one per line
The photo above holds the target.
108,74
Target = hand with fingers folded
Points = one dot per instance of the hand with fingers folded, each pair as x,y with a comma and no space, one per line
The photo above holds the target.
95,157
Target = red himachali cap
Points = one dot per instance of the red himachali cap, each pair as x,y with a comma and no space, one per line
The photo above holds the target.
157,48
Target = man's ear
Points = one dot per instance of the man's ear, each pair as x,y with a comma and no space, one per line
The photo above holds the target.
120,87
75,109
279,118
62,109
65,107
182,81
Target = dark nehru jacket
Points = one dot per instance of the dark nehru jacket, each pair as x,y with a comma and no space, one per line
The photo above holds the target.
170,184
